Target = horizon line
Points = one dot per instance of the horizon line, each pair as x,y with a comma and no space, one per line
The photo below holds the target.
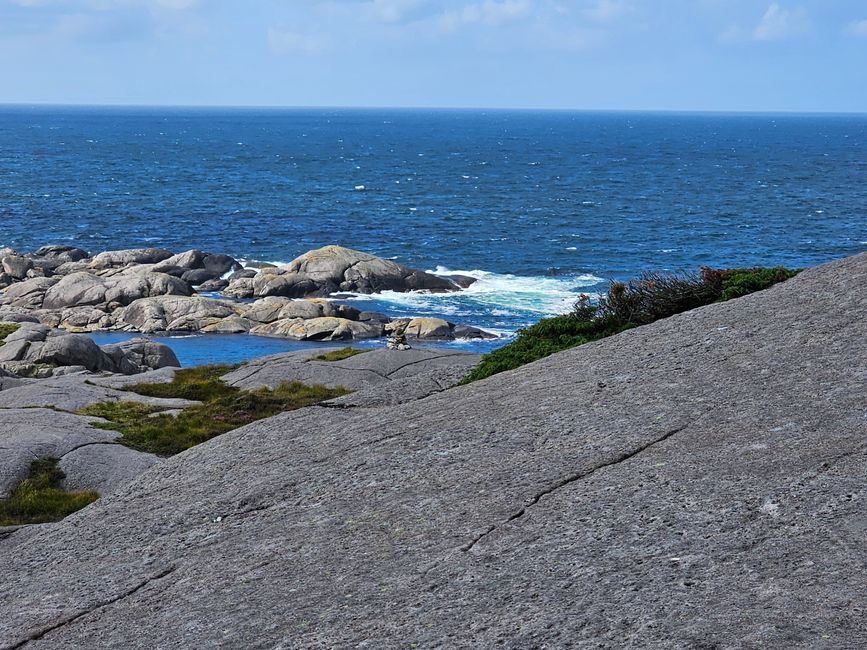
434,108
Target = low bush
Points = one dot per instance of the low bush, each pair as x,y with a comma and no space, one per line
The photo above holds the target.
648,298
40,498
223,408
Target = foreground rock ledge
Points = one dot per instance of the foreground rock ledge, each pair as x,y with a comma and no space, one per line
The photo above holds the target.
695,483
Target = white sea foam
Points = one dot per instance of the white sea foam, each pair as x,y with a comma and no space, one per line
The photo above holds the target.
498,294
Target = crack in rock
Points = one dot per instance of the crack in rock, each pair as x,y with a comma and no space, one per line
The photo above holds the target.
572,478
36,636
86,444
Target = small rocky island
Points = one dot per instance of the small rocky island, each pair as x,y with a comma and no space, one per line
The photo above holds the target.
153,290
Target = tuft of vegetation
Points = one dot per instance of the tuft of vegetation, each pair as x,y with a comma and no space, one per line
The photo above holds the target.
339,355
6,329
739,282
40,498
200,384
223,408
648,298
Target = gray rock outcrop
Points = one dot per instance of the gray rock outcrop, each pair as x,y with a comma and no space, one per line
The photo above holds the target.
176,313
30,433
331,269
693,483
129,256
63,288
362,372
35,350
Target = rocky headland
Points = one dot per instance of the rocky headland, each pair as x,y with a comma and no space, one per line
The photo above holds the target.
153,290
692,483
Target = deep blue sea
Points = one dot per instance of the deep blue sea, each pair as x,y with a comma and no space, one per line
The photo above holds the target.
539,205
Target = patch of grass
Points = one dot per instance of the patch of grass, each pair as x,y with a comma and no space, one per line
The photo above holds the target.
6,329
40,498
339,355
223,408
200,384
649,298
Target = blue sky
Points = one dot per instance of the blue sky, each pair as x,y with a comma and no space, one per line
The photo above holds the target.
808,55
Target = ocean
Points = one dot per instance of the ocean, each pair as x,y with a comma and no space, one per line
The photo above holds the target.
539,205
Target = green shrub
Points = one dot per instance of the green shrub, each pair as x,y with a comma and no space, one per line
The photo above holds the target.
40,498
649,298
223,408
740,282
546,337
339,355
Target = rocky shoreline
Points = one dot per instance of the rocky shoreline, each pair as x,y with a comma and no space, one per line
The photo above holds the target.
152,290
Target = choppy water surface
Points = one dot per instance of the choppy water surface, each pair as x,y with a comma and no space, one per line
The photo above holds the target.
538,205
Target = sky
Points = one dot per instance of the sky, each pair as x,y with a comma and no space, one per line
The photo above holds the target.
705,55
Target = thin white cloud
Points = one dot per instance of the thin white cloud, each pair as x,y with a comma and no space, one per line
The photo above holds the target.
779,23
606,11
394,11
291,42
776,24
492,13
857,28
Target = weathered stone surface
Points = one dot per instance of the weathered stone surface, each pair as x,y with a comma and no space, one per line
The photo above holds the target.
103,467
37,350
325,328
231,325
374,368
130,256
69,350
411,383
213,285
175,313
62,253
140,355
334,268
308,308
468,332
694,483
74,392
14,315
191,259
239,288
30,433
84,319
160,376
16,266
265,310
28,294
75,290
429,328
195,277
80,289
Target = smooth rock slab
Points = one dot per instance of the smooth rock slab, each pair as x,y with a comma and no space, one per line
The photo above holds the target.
30,433
74,392
373,368
694,483
103,467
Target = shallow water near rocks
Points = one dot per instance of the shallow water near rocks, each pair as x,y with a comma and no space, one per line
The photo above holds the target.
201,349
